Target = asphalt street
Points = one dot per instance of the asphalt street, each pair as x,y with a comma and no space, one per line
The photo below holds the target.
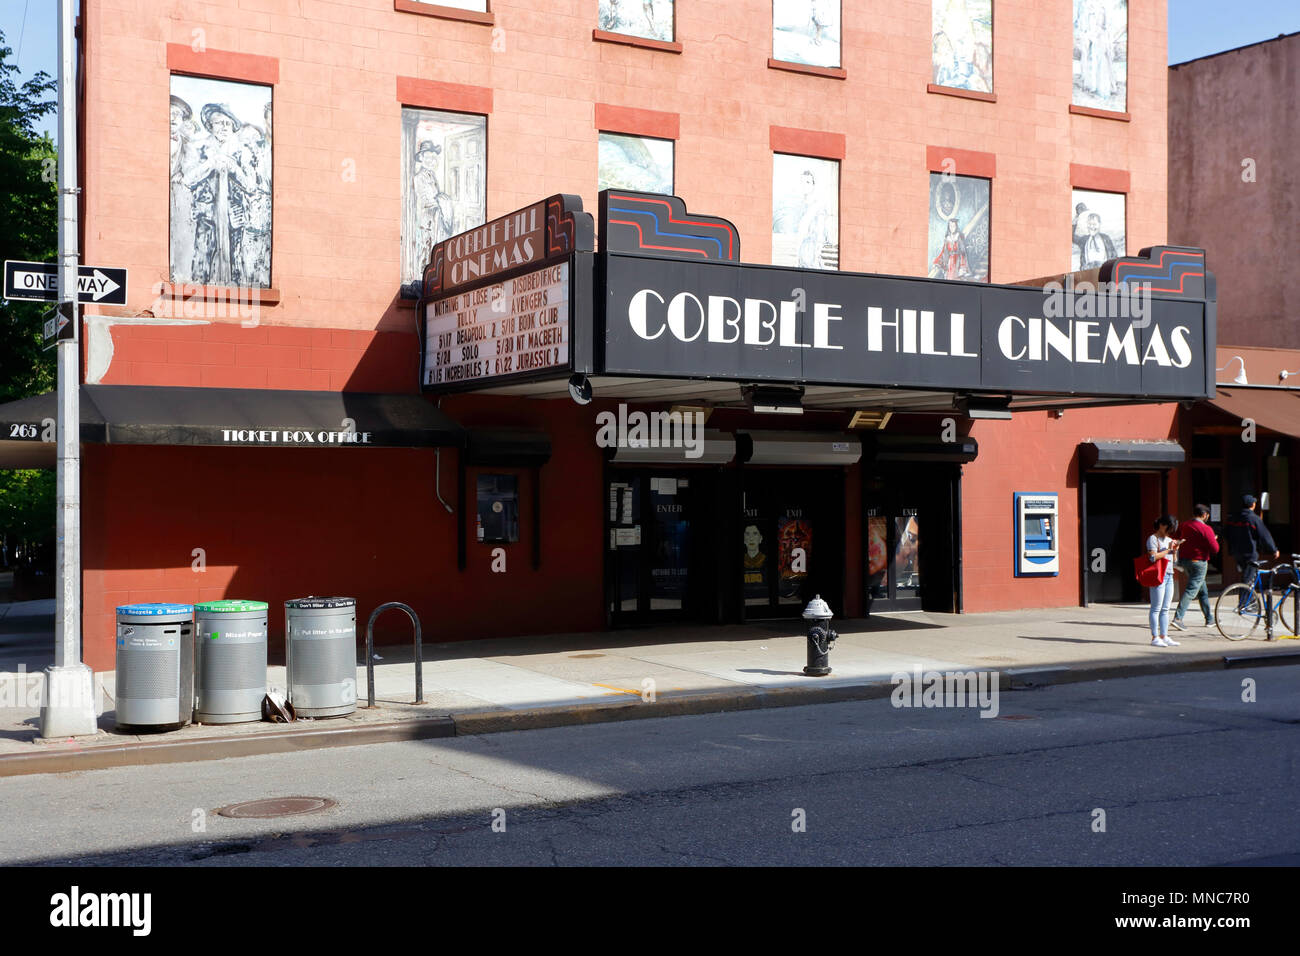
1181,768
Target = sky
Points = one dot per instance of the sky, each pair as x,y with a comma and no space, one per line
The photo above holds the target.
1196,28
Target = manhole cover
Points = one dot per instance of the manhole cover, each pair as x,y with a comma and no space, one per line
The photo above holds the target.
586,655
277,807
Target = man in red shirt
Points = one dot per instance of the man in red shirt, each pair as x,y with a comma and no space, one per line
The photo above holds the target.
1193,558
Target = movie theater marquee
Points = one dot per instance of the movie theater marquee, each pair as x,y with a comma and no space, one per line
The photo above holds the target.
525,297
498,300
518,325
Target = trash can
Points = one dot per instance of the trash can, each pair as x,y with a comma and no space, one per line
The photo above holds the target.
155,666
229,661
321,652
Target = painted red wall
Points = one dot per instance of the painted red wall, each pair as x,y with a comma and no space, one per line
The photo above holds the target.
229,355
1036,452
282,523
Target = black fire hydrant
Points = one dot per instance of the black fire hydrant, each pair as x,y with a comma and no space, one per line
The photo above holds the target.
821,638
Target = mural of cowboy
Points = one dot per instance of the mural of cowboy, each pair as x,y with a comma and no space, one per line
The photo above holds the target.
433,207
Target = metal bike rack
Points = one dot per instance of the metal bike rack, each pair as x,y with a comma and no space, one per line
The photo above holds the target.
370,651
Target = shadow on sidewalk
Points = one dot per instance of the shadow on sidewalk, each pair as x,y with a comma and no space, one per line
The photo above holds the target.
1077,640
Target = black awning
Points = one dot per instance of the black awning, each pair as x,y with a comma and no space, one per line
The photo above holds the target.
919,448
1133,455
507,448
231,417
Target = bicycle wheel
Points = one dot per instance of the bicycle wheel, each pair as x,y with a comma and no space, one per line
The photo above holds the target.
1283,600
1238,611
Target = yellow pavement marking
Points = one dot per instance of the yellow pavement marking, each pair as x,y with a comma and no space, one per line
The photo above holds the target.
621,690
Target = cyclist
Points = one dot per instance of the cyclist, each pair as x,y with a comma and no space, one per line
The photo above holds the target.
1248,539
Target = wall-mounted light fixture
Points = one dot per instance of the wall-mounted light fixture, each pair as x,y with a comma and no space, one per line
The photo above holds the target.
774,400
1241,376
1283,375
985,407
873,420
684,410
580,389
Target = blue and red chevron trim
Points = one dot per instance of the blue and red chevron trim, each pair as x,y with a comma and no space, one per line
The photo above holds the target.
1173,270
659,225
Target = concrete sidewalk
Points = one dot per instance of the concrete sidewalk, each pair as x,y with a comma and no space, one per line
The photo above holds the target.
520,683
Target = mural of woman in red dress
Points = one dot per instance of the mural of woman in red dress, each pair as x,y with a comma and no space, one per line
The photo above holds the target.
952,260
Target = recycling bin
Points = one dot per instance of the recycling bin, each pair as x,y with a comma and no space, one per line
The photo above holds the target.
229,661
155,666
321,654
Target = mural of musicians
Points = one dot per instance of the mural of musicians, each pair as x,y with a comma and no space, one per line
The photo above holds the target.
220,182
255,238
184,157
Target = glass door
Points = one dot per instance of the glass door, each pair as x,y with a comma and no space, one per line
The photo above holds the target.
893,530
792,541
648,546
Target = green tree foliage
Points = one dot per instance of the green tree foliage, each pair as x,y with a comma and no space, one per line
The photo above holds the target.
28,230
27,516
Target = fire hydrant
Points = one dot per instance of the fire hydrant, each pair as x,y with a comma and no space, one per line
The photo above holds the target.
821,638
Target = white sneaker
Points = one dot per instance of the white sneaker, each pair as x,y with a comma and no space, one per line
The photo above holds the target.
1170,642
1158,642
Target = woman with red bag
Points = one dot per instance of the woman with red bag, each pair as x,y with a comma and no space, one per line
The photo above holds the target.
1163,547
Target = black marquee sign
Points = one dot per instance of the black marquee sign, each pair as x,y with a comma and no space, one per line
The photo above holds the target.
669,298
498,300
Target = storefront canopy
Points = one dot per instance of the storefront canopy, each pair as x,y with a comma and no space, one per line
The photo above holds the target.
246,417
1131,455
1272,408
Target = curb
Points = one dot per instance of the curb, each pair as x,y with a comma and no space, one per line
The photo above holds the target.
219,748
505,721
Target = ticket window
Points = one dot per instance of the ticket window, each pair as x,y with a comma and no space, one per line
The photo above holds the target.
1037,520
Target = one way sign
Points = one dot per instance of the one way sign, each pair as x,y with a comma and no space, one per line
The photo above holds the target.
39,282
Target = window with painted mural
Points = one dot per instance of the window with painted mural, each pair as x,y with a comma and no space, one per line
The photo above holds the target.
959,227
1097,228
805,212
642,163
961,44
220,217
651,19
806,31
444,183
1101,54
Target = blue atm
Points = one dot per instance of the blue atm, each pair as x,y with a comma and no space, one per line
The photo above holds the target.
1037,548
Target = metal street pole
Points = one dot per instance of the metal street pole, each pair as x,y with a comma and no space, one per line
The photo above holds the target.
68,705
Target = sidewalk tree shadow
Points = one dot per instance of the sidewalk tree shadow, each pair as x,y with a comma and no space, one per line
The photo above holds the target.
1072,640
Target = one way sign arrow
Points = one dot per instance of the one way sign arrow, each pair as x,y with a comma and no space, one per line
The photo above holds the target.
97,285
39,282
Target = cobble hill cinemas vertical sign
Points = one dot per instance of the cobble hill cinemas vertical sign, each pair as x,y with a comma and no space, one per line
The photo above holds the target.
498,299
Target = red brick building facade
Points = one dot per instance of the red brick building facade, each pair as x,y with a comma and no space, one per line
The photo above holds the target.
279,523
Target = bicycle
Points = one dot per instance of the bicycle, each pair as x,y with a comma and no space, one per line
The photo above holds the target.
1241,607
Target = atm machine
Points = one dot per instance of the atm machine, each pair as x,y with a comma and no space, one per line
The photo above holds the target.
1037,520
